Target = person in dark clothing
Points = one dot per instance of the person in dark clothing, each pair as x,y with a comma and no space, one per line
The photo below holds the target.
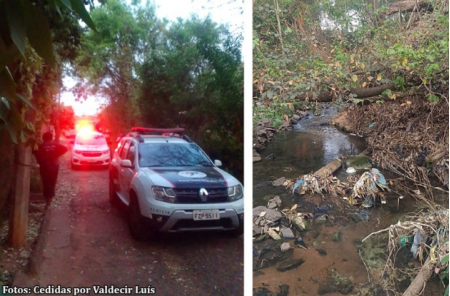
47,157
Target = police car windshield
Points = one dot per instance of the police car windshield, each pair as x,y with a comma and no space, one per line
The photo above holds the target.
89,139
171,155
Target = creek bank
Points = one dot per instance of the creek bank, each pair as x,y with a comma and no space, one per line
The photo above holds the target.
265,131
345,213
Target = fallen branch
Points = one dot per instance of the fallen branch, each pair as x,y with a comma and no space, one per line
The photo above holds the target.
422,225
418,284
328,169
377,232
327,96
371,91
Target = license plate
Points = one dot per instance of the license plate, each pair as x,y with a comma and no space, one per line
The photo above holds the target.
206,215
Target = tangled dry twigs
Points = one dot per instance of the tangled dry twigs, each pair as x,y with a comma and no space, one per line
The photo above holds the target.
409,139
427,234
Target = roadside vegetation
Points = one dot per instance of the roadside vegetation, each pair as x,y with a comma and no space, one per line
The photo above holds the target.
156,73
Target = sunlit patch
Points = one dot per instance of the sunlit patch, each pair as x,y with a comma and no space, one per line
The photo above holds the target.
84,126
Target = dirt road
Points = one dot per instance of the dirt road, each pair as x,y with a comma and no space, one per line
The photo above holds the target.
87,244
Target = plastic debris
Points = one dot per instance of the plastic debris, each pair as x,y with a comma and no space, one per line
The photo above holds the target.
378,176
270,156
418,238
364,215
350,170
300,243
370,186
300,182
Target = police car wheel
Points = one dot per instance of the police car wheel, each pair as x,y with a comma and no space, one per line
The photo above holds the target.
138,224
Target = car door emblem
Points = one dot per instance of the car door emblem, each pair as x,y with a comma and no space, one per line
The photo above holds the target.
203,194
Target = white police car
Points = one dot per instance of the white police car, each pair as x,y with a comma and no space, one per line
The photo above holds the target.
90,149
169,184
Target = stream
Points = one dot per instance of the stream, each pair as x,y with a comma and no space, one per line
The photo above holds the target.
332,245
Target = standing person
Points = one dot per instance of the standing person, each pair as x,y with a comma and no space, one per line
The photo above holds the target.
47,157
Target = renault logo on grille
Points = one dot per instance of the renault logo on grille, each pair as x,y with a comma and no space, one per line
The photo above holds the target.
203,194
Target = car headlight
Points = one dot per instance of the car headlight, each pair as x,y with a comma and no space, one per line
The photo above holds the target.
77,151
235,192
164,194
105,152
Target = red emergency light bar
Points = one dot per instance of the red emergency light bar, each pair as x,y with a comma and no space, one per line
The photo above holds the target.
165,132
147,130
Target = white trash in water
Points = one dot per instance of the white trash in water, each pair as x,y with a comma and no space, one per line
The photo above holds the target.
350,170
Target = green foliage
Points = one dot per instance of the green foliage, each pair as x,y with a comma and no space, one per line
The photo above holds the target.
388,93
433,98
335,47
27,55
274,112
399,83
109,59
196,81
188,73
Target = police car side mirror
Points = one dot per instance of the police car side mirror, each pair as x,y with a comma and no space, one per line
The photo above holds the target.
217,162
126,163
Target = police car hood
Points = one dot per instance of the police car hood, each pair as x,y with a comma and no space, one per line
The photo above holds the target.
101,147
190,177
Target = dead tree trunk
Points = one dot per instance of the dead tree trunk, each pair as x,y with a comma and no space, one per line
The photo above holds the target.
360,93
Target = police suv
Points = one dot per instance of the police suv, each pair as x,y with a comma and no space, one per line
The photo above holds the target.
169,184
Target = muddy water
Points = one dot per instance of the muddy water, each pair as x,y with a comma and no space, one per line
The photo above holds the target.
311,145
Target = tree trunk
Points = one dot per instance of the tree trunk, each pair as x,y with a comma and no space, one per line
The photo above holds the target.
21,199
20,202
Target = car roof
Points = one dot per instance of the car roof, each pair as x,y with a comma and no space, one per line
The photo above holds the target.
160,139
91,133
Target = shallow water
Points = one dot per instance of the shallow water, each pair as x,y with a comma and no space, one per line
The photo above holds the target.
307,148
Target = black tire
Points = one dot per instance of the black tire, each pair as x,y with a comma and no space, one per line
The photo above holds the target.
113,198
139,227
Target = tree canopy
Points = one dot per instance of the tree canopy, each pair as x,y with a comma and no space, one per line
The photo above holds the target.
156,73
36,38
